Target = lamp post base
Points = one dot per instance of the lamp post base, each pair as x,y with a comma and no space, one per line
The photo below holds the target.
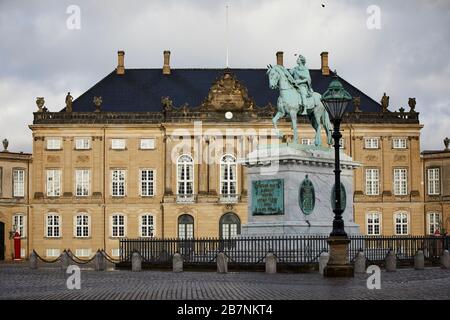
338,265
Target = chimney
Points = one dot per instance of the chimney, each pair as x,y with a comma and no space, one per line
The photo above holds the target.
280,58
120,62
166,66
324,66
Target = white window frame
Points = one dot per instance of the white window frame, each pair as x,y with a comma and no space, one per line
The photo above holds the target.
117,181
19,221
143,146
55,226
118,226
53,143
307,141
148,184
403,215
82,182
227,183
433,219
372,181
83,252
186,182
342,143
115,252
118,144
53,253
399,143
82,227
434,181
146,229
400,181
372,143
373,220
18,182
82,143
53,185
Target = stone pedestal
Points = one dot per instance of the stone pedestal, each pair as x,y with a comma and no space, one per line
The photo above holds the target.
338,264
290,190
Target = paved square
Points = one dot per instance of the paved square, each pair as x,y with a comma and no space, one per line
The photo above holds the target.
20,282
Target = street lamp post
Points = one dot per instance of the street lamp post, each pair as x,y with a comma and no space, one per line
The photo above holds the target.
335,100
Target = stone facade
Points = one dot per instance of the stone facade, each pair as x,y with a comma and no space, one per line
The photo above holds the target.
227,122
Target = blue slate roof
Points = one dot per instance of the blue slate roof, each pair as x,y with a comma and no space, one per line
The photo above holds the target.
140,90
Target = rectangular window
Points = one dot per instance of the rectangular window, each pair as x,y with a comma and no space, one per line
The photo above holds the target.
53,183
53,143
342,143
147,227
54,253
19,224
373,224
308,142
399,143
400,182
82,181
371,143
82,143
401,223
147,178
433,181
53,226
118,144
82,226
19,183
433,222
115,252
372,182
83,252
118,183
147,144
118,226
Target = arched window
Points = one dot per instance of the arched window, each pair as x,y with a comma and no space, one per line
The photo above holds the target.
53,225
81,225
185,226
373,223
401,223
185,175
228,179
230,225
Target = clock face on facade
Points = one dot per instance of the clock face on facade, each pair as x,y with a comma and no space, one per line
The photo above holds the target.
343,198
307,196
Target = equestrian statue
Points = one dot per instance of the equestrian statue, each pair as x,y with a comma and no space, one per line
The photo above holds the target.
298,98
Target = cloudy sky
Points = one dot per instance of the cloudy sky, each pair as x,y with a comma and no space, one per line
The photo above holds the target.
406,57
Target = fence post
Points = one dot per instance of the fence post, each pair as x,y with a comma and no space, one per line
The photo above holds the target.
177,263
271,263
99,262
136,262
222,263
391,261
360,263
419,260
445,260
323,261
33,260
64,260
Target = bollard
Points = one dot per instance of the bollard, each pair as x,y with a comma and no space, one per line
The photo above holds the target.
360,263
445,260
33,260
323,261
65,260
222,263
99,262
177,263
136,262
391,261
271,263
419,260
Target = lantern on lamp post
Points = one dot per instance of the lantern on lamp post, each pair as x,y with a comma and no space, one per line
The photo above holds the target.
335,100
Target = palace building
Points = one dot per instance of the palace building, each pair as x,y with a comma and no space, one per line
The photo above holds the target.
154,153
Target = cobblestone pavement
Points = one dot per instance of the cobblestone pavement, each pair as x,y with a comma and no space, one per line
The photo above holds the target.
20,282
